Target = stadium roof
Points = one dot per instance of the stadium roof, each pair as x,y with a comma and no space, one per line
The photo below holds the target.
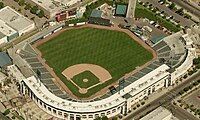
121,10
14,19
4,59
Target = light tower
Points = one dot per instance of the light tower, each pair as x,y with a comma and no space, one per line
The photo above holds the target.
131,9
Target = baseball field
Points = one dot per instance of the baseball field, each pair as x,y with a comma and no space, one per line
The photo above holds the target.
88,59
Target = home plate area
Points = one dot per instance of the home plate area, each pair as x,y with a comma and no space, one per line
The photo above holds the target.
86,76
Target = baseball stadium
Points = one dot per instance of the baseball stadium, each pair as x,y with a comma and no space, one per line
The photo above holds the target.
90,71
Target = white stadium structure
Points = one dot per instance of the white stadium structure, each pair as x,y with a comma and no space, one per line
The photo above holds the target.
175,57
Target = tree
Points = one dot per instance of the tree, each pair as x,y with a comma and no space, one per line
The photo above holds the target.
187,16
142,103
162,60
196,61
178,25
172,6
114,118
104,118
34,9
180,11
41,14
185,76
1,5
21,2
6,112
27,7
154,10
186,89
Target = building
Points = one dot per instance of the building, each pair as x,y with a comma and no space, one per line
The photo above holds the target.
16,21
7,33
159,113
96,18
50,9
121,10
175,58
5,60
53,7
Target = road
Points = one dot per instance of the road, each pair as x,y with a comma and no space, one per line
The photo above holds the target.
165,100
180,113
183,21
131,9
188,7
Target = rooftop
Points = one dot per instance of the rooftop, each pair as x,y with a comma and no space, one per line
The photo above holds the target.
121,10
5,29
14,19
174,42
4,59
96,13
159,114
48,5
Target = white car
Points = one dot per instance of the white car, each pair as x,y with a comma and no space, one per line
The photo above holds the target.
157,25
152,22
167,5
162,15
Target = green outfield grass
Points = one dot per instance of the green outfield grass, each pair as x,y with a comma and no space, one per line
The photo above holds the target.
92,79
112,50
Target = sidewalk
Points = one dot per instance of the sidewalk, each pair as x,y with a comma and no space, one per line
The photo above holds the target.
158,94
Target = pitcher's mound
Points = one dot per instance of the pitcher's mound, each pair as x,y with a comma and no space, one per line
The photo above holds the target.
85,80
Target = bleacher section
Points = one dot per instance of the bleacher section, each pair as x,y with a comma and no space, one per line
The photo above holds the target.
28,54
172,51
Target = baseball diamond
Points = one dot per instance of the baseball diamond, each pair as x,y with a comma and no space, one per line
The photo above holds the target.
114,51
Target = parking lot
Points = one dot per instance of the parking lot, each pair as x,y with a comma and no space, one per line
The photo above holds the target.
167,12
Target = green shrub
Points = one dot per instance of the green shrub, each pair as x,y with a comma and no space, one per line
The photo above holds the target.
6,112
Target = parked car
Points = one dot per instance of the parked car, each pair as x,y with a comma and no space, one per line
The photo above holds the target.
152,22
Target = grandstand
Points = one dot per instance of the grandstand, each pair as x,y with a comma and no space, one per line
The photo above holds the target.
30,56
